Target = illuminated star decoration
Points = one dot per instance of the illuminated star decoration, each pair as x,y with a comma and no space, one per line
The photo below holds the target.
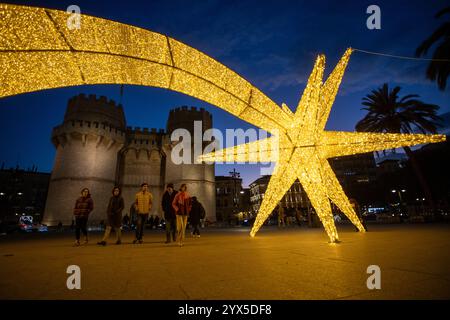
38,51
305,147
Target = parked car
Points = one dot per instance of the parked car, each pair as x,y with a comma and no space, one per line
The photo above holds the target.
26,225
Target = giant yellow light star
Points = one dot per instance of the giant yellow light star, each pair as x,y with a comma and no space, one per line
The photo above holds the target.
301,152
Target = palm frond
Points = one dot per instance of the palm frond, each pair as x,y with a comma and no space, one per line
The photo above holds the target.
442,12
387,112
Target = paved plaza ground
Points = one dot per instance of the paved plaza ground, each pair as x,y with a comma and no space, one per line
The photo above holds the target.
294,263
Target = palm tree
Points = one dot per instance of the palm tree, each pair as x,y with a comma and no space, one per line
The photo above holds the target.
391,114
438,70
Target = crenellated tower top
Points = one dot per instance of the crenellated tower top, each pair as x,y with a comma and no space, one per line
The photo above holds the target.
95,109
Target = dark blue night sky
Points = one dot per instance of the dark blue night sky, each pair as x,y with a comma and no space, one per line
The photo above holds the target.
273,44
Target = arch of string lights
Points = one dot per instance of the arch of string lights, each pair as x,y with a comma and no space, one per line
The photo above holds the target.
38,51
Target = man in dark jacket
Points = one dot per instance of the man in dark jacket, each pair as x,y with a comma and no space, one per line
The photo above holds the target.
197,213
114,215
169,213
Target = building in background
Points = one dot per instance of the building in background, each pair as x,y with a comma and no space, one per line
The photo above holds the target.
229,198
96,149
357,175
294,198
388,166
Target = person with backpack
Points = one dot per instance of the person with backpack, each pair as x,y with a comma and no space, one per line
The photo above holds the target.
197,213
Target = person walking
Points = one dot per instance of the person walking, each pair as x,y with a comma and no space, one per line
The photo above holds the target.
169,212
114,216
197,213
182,205
281,215
287,217
298,216
143,205
83,207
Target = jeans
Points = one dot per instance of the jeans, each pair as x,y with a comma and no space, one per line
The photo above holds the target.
171,225
196,228
108,231
141,219
80,225
181,227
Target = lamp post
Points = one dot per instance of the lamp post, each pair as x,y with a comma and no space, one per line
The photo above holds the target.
235,175
399,193
421,201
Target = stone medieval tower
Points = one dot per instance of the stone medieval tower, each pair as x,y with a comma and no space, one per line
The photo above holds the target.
87,145
142,160
199,178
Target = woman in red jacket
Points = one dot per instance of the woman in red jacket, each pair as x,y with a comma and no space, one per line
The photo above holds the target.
182,205
83,206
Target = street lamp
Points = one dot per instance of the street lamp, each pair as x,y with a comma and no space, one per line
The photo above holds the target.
235,175
399,192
